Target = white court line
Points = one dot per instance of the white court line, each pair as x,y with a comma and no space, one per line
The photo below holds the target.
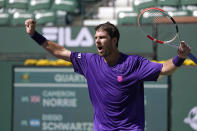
43,70
48,85
76,85
155,85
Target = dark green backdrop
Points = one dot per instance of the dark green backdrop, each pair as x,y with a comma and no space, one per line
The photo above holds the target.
14,42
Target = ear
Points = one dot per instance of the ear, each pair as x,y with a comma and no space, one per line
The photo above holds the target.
115,40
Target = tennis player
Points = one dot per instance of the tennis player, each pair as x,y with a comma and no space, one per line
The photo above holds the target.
115,80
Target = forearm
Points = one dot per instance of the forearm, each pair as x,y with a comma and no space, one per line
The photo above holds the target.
168,68
171,65
52,47
56,50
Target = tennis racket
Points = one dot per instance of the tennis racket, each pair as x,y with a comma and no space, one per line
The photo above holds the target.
168,35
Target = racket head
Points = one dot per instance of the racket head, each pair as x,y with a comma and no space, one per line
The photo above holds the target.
156,16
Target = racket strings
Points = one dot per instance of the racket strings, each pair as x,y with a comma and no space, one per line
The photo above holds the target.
166,31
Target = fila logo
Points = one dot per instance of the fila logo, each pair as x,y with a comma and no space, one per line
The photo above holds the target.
63,36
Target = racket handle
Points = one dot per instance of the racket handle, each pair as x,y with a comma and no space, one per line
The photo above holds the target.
192,57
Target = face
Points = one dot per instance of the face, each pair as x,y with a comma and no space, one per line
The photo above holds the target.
104,43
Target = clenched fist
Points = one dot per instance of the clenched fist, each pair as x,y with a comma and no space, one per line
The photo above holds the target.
183,50
30,26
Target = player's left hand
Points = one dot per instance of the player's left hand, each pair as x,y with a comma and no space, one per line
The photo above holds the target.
183,50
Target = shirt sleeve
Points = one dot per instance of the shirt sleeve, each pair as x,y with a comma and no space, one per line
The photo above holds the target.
79,62
147,70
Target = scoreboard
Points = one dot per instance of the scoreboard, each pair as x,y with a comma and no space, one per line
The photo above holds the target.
57,99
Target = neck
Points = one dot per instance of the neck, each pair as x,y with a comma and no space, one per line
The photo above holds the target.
113,58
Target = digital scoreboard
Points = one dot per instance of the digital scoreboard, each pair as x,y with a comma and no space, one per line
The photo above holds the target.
57,99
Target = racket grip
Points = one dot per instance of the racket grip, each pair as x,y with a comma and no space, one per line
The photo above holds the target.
192,57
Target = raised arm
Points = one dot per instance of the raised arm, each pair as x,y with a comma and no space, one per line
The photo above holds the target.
171,65
52,47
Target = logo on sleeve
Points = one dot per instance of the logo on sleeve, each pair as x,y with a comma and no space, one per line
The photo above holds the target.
79,55
119,78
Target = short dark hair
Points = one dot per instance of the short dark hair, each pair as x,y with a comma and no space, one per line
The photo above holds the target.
111,29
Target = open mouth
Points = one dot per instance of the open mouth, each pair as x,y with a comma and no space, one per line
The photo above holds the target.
100,48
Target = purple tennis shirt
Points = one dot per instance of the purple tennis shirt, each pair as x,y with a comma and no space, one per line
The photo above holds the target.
116,92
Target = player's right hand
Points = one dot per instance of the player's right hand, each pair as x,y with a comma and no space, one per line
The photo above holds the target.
30,26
